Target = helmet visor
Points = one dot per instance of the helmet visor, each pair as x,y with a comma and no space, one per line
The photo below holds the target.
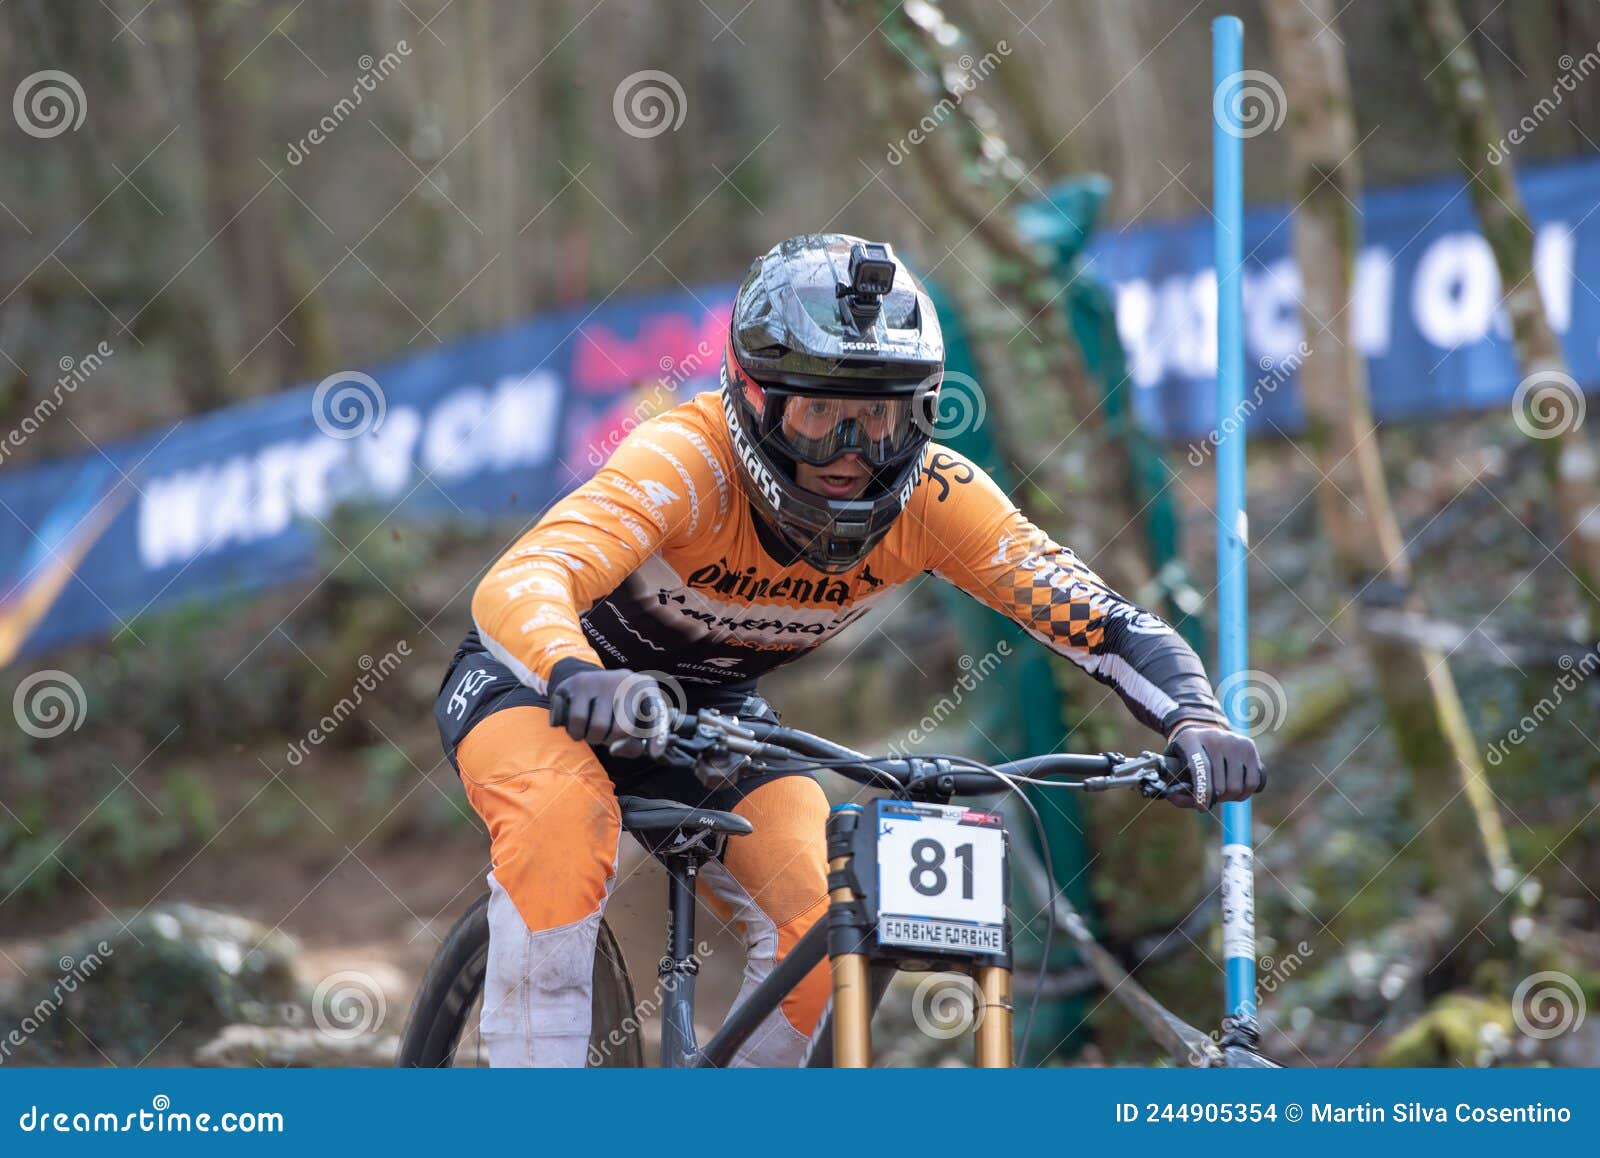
817,430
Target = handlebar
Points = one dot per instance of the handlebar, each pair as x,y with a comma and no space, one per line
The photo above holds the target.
722,749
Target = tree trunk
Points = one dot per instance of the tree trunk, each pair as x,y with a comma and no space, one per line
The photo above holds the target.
1421,703
489,292
235,203
1548,388
1026,98
970,170
1053,415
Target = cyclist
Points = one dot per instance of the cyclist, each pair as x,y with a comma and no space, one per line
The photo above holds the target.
723,538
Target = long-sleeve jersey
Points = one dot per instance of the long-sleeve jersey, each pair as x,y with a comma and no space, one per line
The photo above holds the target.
657,564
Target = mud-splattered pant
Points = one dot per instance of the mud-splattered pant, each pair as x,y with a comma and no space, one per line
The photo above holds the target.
554,825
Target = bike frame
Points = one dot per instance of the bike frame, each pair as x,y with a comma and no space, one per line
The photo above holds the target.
859,982
680,1048
861,967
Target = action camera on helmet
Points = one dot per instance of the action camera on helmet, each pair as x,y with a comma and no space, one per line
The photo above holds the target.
871,277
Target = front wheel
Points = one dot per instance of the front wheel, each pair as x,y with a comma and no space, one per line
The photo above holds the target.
443,1029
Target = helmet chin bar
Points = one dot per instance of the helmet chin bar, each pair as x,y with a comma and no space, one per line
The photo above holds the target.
835,535
844,539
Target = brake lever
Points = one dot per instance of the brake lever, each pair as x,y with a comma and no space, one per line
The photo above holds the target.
717,748
1154,787
1148,781
709,720
1164,780
1146,772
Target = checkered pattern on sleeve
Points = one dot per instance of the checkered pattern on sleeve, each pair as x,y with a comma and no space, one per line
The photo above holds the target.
1062,599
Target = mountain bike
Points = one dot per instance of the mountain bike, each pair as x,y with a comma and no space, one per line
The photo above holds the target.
915,883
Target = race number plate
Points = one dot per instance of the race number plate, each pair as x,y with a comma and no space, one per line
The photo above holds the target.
941,878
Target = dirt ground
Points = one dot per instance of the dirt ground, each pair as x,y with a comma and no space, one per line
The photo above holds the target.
384,912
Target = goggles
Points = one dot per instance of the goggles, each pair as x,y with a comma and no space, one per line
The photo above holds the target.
817,430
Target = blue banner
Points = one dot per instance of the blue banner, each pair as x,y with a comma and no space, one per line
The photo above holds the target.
1426,310
495,425
502,423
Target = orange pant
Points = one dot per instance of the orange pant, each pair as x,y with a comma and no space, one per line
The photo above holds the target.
554,826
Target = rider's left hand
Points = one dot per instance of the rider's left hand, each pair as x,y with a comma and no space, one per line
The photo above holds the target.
1222,765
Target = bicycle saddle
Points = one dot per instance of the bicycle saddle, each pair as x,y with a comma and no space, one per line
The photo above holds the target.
640,814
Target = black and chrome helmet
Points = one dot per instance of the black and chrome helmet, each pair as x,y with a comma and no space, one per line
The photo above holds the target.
822,323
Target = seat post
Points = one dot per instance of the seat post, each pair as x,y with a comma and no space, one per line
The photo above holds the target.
678,968
682,837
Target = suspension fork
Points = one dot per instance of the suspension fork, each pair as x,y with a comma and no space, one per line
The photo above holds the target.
848,930
994,1041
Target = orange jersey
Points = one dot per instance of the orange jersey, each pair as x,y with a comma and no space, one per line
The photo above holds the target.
657,564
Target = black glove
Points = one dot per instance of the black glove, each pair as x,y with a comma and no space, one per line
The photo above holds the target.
626,710
1222,765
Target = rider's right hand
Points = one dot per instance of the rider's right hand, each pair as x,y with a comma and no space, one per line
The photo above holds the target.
625,709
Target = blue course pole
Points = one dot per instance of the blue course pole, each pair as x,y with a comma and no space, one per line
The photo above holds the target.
1233,647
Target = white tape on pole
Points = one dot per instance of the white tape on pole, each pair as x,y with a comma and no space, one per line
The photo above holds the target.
1238,901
